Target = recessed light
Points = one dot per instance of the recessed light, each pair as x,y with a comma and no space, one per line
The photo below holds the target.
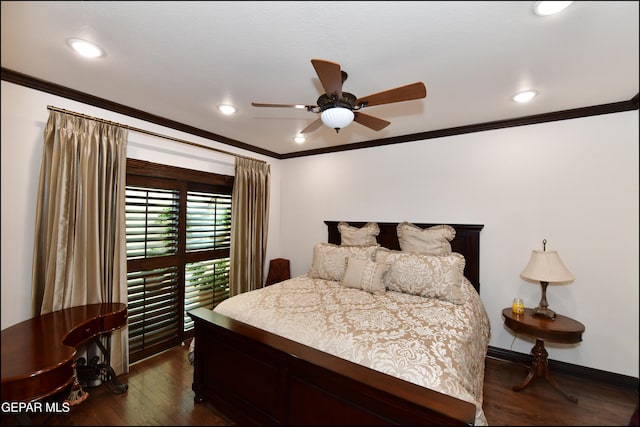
525,96
227,109
546,8
85,48
299,139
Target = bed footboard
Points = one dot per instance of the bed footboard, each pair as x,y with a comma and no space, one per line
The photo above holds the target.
255,377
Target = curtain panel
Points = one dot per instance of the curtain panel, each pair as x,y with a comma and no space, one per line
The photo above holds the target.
79,249
249,225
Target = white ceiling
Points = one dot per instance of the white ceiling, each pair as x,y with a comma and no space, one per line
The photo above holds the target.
178,60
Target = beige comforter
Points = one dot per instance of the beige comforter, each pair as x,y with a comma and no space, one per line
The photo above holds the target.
426,341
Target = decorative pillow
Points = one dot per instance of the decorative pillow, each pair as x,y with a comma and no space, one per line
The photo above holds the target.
354,236
366,275
424,275
433,240
330,261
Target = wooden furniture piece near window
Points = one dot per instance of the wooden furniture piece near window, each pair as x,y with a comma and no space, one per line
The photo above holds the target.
38,354
562,329
259,378
279,270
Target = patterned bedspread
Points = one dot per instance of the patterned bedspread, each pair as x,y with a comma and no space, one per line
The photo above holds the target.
426,341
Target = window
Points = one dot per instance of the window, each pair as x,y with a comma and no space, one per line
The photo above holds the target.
178,227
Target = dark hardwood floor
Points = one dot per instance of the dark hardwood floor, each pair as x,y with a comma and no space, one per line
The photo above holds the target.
160,394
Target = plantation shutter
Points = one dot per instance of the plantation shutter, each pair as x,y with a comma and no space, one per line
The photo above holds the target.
208,229
178,227
152,220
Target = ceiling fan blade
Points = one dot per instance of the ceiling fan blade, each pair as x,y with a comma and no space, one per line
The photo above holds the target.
370,121
313,126
330,76
301,106
403,93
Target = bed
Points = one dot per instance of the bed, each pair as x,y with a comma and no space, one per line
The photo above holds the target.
324,349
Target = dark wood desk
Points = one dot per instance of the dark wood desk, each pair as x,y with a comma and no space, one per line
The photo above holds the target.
37,354
562,329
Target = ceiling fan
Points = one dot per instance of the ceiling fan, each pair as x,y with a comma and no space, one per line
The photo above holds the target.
338,109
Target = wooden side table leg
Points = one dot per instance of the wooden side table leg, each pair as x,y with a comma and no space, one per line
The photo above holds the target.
538,365
540,368
555,385
528,380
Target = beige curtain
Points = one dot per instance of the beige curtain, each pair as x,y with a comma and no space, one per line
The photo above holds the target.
80,250
249,225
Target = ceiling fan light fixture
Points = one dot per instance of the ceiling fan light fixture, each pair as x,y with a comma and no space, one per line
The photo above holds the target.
299,139
337,117
336,107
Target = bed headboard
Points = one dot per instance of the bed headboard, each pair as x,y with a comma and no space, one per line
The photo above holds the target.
466,242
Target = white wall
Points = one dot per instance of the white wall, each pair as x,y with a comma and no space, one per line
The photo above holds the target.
572,182
24,115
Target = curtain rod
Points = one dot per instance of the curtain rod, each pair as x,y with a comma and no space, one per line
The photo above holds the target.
148,132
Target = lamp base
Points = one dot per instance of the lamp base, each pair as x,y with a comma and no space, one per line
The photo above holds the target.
542,309
544,312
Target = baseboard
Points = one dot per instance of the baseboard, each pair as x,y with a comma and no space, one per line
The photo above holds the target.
568,368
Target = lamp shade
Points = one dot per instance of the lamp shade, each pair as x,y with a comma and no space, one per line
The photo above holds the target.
337,117
546,266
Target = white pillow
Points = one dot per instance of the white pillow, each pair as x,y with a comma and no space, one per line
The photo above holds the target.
330,261
424,275
365,275
354,236
433,240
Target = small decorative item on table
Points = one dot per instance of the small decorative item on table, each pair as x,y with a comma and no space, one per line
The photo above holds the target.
517,306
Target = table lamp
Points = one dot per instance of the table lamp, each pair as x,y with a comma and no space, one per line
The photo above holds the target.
545,267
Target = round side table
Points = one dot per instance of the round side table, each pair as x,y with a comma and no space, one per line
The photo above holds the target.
561,329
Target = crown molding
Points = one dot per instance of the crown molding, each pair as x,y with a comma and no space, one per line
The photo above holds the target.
65,92
75,95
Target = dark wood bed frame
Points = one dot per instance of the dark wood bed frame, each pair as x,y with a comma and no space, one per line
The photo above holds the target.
257,378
